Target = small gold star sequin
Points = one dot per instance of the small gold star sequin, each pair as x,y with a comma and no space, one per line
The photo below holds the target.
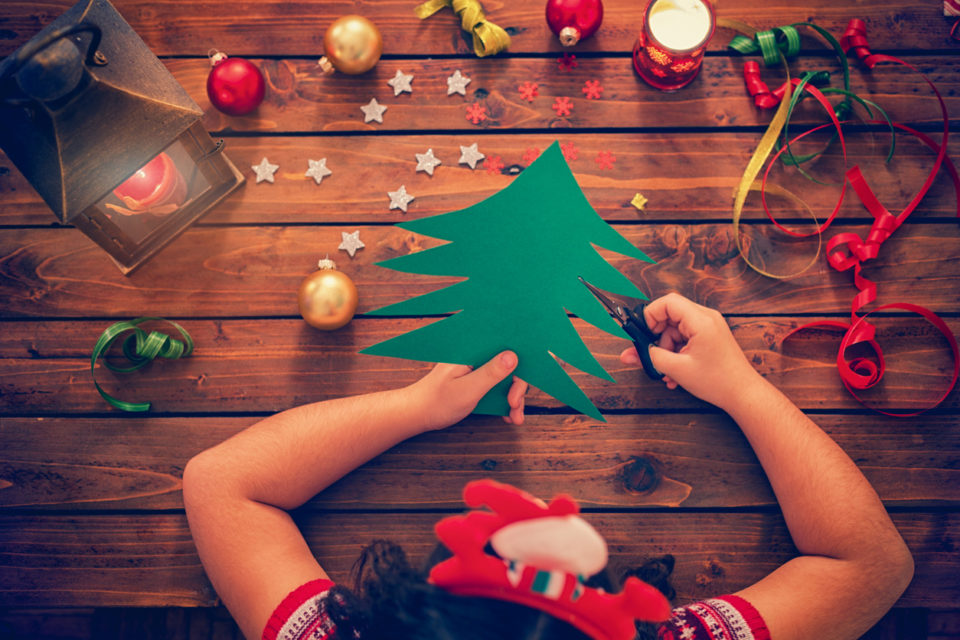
639,202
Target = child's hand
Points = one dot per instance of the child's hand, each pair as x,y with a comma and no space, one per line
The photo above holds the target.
697,350
451,391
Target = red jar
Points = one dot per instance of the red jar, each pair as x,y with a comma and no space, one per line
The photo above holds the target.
671,44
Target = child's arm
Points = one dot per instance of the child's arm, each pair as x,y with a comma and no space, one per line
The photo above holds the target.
854,564
237,493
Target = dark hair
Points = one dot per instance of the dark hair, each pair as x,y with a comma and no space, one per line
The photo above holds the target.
392,600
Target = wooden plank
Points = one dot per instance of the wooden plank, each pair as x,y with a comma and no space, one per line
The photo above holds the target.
296,28
684,176
301,99
264,366
255,271
59,624
149,560
688,460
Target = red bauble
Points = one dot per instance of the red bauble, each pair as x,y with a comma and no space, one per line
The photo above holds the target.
574,20
235,86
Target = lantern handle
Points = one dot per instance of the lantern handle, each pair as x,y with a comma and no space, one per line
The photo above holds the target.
94,57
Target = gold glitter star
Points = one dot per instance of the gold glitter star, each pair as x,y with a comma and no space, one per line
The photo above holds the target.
639,202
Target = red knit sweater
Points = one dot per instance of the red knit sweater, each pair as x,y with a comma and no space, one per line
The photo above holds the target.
298,617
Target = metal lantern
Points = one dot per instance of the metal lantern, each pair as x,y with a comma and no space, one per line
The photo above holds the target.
107,136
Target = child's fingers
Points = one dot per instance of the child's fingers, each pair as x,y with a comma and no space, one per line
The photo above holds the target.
448,370
675,310
516,413
517,389
671,340
481,380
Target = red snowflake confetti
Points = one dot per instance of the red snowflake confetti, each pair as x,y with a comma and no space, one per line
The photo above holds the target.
476,112
530,155
567,62
529,91
592,89
493,164
562,106
569,151
605,159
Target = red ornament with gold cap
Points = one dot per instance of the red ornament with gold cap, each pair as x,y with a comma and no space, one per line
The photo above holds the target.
574,20
235,86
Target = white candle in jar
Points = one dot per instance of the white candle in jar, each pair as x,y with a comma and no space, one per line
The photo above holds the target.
680,25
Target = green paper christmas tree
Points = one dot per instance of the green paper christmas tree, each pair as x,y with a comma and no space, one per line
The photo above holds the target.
521,251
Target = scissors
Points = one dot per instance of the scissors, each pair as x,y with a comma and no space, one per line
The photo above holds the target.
632,320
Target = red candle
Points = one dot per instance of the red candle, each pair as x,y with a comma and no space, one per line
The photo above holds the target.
671,44
157,187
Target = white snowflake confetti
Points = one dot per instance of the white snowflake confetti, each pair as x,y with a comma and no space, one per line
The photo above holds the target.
350,242
427,162
318,170
373,110
401,82
457,83
399,199
265,170
470,155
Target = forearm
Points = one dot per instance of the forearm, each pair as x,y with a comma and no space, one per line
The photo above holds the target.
829,506
288,458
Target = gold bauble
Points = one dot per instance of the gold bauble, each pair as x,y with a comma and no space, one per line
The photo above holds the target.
327,297
352,44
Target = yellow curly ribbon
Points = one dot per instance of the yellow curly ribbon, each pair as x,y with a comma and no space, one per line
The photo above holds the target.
488,38
748,181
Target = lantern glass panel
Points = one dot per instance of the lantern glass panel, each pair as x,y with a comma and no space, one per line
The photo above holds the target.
155,193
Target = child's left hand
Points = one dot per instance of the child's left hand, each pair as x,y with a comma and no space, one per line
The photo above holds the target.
451,391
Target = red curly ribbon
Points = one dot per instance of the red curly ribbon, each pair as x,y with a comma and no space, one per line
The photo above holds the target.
758,89
849,251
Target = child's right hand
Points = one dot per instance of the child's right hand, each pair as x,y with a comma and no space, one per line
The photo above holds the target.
696,351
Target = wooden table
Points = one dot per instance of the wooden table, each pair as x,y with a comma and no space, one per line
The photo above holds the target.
90,505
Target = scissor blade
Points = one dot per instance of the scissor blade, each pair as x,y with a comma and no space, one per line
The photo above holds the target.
611,306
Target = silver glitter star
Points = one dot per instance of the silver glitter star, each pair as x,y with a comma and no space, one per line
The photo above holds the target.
265,170
470,155
318,170
401,82
373,110
427,162
399,199
350,242
457,83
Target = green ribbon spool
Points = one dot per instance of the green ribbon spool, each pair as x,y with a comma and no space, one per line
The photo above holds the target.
140,348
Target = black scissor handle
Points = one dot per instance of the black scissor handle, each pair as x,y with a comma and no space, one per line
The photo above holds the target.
643,337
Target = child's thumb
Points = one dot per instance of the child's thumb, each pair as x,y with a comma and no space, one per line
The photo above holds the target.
486,377
667,362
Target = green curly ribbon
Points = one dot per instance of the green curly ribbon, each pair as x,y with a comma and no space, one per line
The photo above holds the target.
140,348
785,40
488,38
769,45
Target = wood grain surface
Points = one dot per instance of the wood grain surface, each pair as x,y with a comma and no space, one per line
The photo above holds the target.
296,28
684,177
255,271
90,500
255,365
690,460
150,560
299,98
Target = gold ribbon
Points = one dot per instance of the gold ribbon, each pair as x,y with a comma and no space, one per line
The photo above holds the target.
748,181
488,38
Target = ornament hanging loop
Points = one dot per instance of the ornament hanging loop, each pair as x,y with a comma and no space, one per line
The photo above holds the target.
326,67
216,57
